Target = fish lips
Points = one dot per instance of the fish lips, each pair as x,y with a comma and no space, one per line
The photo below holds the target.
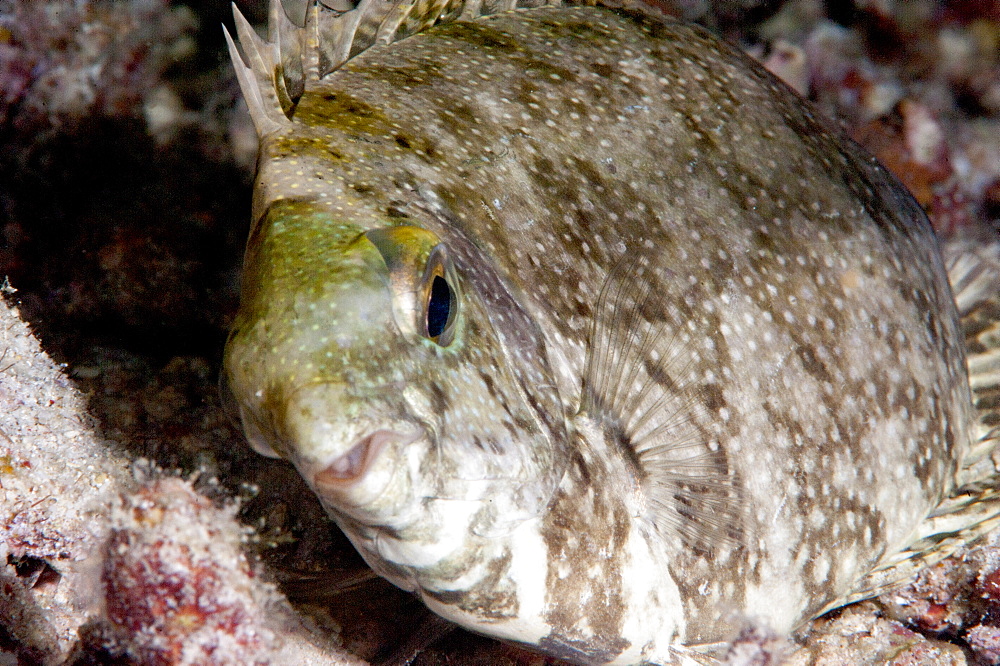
360,476
349,468
349,449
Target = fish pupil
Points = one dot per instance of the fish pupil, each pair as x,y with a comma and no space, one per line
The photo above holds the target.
438,307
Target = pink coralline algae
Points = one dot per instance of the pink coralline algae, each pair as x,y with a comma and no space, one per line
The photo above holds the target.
176,581
957,599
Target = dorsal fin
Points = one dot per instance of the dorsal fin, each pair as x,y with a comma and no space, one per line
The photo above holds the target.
307,43
271,71
640,384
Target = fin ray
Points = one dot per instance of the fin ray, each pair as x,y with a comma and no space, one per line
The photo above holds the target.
974,271
639,384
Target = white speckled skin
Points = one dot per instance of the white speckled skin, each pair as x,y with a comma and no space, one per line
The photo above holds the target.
816,368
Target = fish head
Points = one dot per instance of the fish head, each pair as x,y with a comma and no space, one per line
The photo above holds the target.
365,356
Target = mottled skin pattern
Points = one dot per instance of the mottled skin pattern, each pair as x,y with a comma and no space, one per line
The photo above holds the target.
822,378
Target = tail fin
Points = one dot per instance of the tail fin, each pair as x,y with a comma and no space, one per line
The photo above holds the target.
273,72
974,272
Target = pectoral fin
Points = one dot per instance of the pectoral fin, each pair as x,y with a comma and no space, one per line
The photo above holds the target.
639,383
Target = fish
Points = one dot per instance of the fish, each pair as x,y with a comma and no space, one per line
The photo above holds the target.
590,332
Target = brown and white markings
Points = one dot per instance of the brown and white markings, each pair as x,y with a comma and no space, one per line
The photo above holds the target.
585,329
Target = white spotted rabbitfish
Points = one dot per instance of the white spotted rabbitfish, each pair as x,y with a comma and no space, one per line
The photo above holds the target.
587,330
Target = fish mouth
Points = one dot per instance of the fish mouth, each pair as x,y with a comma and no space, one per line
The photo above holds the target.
347,469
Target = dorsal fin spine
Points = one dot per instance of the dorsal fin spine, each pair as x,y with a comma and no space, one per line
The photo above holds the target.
273,73
255,71
286,38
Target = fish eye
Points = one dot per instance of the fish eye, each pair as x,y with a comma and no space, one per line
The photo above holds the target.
427,294
440,307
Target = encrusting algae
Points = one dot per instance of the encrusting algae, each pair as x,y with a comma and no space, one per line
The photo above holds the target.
584,328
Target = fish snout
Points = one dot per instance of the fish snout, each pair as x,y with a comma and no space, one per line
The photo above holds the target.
347,448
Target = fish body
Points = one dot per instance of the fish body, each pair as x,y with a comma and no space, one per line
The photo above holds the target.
585,329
